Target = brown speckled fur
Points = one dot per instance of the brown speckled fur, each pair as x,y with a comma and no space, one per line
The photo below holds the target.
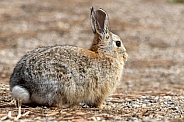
58,75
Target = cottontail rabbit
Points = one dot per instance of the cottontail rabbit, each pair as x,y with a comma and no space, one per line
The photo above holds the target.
58,75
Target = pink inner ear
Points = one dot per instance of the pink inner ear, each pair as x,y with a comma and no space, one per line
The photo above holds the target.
100,18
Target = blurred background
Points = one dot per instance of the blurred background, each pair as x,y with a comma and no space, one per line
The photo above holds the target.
151,30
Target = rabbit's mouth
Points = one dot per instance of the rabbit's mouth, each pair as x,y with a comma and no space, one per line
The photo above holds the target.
125,56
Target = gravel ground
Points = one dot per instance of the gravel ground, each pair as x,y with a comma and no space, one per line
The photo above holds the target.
152,88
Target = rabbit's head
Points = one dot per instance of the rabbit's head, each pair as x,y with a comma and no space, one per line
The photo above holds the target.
105,42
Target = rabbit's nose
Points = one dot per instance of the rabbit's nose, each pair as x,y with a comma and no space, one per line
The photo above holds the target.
125,56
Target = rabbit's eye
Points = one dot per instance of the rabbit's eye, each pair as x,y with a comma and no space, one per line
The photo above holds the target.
118,43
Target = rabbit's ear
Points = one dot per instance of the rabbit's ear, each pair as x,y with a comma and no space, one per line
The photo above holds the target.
92,15
99,21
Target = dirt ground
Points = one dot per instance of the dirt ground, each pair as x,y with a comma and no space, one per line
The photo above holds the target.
152,88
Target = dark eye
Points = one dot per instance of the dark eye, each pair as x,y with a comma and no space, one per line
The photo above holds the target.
118,43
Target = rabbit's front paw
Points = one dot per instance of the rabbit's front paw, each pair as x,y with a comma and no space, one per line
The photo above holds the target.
97,103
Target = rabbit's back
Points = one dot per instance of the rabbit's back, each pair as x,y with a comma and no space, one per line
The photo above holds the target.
65,73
